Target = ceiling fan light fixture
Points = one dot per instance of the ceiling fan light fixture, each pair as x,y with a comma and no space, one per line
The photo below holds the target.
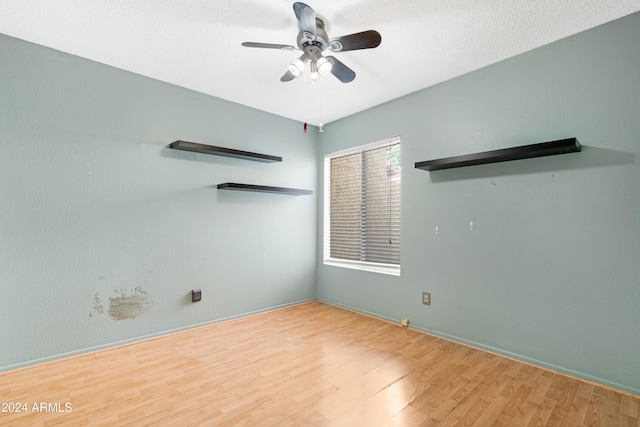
324,66
296,67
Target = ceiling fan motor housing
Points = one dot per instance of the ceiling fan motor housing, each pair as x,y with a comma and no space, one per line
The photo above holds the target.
311,44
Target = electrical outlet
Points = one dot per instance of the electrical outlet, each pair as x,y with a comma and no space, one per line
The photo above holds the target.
426,298
196,295
405,322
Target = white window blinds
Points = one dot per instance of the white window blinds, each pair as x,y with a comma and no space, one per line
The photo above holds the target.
364,211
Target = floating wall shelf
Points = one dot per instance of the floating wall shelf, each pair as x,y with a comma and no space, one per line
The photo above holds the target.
262,189
570,145
222,151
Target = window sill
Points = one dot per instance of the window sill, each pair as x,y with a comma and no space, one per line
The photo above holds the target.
393,270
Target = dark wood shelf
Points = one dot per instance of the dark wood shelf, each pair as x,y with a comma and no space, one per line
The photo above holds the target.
262,189
561,146
222,151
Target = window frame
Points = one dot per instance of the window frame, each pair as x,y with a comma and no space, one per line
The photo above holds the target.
391,269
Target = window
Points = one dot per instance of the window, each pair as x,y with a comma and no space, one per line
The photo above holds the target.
362,207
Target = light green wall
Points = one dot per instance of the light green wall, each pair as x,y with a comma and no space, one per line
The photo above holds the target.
92,202
550,272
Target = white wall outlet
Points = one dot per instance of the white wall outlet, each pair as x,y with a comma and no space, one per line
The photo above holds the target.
405,322
426,298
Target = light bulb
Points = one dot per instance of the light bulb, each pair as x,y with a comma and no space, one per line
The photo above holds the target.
314,76
324,66
296,67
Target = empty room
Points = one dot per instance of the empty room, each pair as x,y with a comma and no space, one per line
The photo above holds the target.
356,213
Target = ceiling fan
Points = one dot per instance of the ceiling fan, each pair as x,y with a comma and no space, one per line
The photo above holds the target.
313,41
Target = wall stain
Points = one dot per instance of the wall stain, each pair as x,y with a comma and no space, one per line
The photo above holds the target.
129,305
97,304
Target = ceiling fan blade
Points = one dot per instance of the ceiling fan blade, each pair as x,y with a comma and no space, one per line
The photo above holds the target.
341,71
363,40
287,77
269,46
306,17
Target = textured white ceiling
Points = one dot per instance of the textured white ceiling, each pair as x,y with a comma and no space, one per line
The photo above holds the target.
196,44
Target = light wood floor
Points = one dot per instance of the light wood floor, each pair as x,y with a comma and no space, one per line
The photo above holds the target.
311,364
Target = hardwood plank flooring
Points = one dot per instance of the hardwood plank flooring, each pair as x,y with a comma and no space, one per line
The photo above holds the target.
311,364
